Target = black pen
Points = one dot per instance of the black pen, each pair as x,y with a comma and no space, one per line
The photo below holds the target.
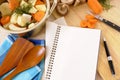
109,58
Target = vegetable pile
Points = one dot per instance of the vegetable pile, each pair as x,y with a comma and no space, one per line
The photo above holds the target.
97,7
90,22
17,15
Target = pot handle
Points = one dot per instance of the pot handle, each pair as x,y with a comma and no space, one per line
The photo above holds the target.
52,7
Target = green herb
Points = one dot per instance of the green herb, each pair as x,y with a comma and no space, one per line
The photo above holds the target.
106,4
23,9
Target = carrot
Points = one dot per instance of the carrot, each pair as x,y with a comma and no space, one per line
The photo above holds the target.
13,4
88,16
90,25
83,23
4,20
95,6
38,15
38,2
93,21
89,22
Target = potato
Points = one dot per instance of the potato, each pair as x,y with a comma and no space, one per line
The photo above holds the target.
4,9
15,28
23,3
32,2
23,19
14,18
33,10
41,7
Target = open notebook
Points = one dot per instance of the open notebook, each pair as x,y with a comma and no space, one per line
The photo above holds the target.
71,52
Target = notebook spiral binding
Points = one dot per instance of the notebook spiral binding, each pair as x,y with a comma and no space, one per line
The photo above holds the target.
53,51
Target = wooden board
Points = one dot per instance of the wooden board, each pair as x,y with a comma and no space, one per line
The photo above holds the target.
76,14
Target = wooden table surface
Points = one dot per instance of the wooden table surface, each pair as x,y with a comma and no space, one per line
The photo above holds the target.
76,14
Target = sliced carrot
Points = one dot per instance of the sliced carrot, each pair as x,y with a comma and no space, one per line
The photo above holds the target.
38,2
13,4
38,15
89,22
83,23
95,6
4,20
90,25
93,21
88,16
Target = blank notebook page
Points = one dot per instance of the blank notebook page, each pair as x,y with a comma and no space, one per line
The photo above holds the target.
76,53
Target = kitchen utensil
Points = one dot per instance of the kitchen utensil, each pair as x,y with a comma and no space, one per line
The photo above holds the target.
19,48
32,58
111,24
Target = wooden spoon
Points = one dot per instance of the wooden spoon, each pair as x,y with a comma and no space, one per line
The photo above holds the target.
32,58
19,48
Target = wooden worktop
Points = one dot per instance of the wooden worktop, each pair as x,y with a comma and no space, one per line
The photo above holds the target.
76,14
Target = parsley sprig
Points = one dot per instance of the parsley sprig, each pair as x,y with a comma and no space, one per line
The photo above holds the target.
106,4
23,9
